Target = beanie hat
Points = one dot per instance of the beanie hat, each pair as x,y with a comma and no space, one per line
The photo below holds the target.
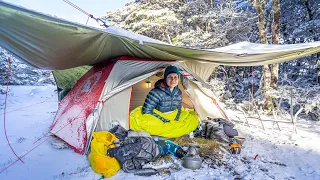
169,70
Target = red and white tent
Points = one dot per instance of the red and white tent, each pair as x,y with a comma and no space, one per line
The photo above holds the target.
105,95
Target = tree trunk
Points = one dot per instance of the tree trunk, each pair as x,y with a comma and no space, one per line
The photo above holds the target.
259,6
231,79
168,38
275,40
310,14
266,87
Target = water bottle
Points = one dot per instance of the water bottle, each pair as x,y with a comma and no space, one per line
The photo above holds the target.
162,147
169,147
174,149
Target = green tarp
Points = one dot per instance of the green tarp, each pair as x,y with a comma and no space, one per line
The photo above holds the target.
47,42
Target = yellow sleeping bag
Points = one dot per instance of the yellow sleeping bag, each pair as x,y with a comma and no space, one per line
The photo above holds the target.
187,122
100,162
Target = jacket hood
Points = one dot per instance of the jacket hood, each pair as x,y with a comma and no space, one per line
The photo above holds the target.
159,82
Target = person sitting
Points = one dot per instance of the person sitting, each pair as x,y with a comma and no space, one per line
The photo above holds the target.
162,113
166,96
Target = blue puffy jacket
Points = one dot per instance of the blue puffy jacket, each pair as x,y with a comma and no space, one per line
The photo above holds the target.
163,100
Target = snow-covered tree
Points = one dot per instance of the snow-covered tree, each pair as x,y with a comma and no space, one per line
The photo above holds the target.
185,23
20,73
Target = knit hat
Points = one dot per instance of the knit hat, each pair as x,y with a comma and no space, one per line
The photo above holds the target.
169,70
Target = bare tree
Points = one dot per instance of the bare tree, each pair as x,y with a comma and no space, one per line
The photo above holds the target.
209,3
259,5
310,13
275,40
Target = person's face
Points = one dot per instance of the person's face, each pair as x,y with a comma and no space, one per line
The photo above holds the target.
172,80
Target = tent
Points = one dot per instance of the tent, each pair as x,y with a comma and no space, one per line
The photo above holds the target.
103,67
105,95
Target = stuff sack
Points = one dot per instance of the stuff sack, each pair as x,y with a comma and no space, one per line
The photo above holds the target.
99,161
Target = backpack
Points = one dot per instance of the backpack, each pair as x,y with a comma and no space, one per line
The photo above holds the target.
134,151
219,129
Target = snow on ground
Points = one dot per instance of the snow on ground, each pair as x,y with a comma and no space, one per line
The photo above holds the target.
31,109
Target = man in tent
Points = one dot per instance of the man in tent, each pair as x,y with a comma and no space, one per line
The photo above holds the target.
162,113
166,96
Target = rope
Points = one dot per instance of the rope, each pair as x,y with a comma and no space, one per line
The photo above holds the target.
5,103
87,20
19,158
41,142
5,107
219,108
24,155
79,9
86,13
30,105
54,123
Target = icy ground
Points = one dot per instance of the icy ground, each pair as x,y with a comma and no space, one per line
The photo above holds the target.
31,109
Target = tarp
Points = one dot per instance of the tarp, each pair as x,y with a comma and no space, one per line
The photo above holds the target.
47,42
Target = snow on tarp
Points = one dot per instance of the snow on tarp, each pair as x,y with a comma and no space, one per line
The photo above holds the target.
47,42
131,35
254,48
70,121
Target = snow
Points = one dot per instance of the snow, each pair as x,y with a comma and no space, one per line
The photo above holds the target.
122,32
253,48
31,109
